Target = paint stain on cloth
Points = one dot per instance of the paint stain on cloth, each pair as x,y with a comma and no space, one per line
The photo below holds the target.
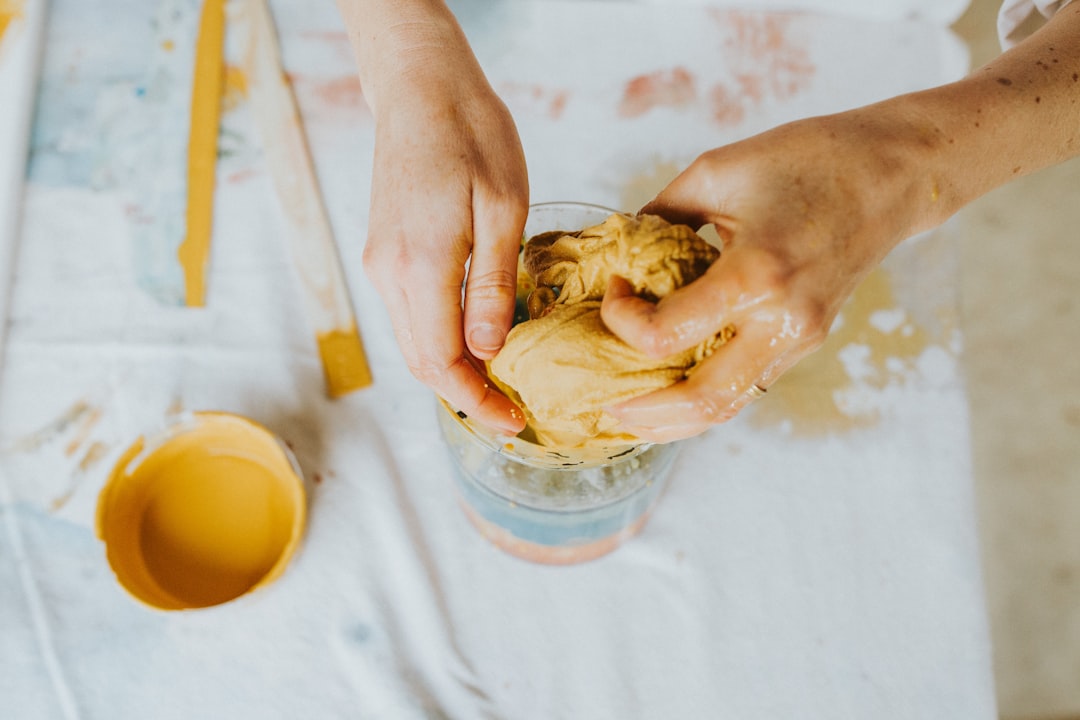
9,11
764,61
874,345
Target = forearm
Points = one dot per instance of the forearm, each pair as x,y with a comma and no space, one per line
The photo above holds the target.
401,45
1015,115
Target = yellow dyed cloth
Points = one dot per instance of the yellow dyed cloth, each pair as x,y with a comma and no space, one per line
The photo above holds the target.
563,364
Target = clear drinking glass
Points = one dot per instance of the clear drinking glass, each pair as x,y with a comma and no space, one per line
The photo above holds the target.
555,507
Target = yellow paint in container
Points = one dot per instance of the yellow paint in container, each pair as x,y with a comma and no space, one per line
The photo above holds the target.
209,511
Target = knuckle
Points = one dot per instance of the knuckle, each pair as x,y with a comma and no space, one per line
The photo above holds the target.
385,257
428,370
492,285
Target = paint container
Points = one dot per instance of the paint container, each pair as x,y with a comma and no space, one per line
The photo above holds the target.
206,511
554,507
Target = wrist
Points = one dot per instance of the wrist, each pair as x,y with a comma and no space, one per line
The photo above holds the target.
885,157
407,49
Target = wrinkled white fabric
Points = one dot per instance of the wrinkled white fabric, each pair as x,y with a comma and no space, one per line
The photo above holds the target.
791,570
1014,14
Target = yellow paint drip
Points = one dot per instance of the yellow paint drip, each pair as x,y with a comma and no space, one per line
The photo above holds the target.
202,150
211,512
344,363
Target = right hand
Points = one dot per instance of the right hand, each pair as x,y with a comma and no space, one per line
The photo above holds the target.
449,186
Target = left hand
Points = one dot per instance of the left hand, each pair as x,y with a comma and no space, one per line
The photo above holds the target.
804,211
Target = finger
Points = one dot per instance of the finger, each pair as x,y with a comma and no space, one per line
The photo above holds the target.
730,289
441,362
666,434
491,287
713,392
423,300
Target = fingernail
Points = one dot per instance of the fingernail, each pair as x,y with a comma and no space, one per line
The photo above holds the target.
486,337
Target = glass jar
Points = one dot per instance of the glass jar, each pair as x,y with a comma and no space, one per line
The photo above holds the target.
543,505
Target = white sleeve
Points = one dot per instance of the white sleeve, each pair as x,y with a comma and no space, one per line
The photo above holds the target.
1015,14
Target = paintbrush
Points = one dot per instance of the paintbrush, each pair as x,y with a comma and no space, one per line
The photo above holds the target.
194,251
326,297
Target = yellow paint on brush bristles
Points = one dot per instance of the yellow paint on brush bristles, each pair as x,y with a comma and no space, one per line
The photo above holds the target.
206,91
344,362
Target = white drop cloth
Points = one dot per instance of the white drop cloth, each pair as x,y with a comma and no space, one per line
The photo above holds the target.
785,574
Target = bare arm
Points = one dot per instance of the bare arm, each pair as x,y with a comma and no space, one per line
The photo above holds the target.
807,209
1015,115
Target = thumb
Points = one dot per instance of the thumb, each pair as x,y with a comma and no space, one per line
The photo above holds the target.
698,196
491,285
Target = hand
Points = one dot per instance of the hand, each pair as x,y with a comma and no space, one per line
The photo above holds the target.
804,212
449,186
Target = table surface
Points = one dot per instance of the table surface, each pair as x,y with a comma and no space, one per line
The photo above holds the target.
814,558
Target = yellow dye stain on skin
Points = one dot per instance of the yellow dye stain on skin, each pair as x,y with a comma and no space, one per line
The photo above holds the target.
807,395
209,514
235,89
194,252
344,362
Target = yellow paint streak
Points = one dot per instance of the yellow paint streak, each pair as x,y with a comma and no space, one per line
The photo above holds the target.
344,362
9,10
93,456
212,512
206,91
85,427
52,430
235,90
806,396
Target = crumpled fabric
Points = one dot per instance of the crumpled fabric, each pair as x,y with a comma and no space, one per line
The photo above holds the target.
1014,14
563,365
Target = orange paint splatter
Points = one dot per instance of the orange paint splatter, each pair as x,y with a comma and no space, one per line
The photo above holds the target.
558,104
241,176
727,108
767,63
664,88
528,98
340,92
